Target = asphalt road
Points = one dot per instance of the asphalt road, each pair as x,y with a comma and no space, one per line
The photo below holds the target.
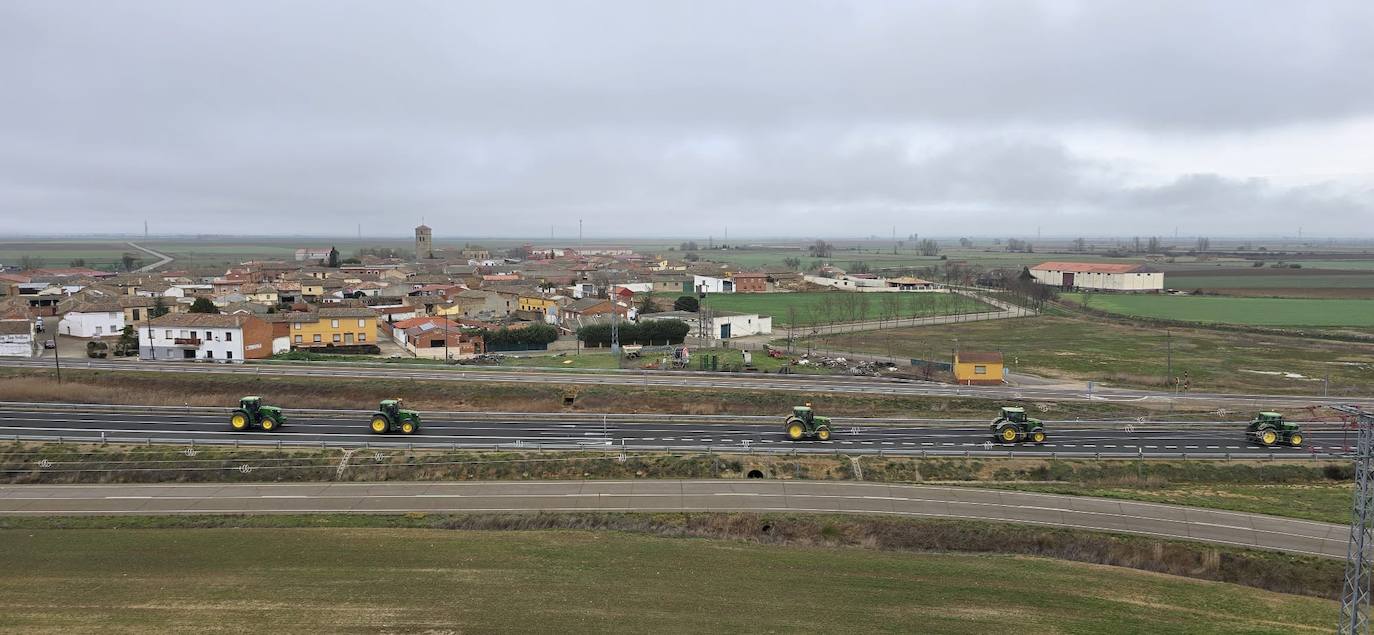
813,384
1165,521
587,431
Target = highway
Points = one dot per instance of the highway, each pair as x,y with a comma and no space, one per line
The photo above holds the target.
812,384
645,432
1163,521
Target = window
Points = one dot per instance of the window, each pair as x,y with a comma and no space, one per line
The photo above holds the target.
228,336
209,354
169,334
336,338
228,354
193,335
98,329
135,315
297,326
362,337
980,370
298,339
333,324
362,323
317,338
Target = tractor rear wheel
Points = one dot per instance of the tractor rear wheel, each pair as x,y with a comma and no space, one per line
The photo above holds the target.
1038,436
823,434
269,424
1295,439
795,430
1007,433
379,425
238,421
1268,438
408,427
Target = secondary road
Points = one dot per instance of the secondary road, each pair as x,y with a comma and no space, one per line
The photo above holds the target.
813,384
1163,521
644,432
162,258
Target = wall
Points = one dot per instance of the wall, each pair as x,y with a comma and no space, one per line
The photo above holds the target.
742,325
103,324
21,345
966,373
366,333
1103,281
218,342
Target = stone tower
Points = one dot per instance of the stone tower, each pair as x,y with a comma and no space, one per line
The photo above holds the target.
424,243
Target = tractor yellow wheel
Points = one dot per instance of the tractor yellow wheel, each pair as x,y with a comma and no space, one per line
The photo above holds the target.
1295,440
1009,434
1038,436
408,427
795,431
379,425
238,422
823,434
1269,437
269,424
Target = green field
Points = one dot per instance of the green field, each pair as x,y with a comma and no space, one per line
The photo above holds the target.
409,580
98,254
1126,355
1189,283
1248,311
1328,503
1346,265
827,307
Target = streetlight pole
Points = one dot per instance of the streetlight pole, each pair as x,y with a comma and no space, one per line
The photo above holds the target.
56,337
1169,343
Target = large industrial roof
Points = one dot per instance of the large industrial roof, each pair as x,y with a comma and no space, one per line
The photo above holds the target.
1094,267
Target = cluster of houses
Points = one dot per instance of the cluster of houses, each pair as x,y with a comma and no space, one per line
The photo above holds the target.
433,306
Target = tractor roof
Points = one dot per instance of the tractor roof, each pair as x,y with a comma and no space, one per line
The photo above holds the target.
1270,414
251,398
1013,408
391,401
801,407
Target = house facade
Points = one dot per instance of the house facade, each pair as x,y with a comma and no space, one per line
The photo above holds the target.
18,338
343,326
206,336
975,369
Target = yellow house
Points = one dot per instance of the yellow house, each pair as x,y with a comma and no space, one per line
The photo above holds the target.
978,368
312,289
261,294
346,326
536,303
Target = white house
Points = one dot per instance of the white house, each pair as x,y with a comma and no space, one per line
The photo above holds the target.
95,318
710,284
17,338
206,336
1102,276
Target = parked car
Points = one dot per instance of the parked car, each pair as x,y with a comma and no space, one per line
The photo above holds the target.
50,344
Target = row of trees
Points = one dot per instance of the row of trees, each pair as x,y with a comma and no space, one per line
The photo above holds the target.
646,332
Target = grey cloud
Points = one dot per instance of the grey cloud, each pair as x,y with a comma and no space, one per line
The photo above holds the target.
775,117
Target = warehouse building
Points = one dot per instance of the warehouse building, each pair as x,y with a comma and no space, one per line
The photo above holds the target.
1099,276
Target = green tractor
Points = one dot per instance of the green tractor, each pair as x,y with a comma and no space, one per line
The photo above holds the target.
1269,429
1013,426
803,423
251,412
391,417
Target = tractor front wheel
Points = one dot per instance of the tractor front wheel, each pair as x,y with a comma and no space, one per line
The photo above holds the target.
269,424
408,427
1268,438
239,421
379,425
795,430
1038,436
1295,439
823,434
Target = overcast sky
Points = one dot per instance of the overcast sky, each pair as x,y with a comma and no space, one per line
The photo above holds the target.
829,119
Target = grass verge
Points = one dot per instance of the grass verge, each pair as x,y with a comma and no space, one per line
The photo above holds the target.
644,573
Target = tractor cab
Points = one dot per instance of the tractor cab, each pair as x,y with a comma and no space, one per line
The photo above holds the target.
1269,419
804,413
250,404
1014,414
392,407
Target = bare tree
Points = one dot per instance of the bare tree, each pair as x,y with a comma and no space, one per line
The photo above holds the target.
791,325
862,305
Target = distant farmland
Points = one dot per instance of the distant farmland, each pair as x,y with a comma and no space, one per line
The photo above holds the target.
1226,310
826,307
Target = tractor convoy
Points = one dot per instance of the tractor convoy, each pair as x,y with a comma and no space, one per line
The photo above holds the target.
1012,425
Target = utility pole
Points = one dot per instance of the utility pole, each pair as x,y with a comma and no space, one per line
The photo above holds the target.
57,337
579,238
1169,340
1355,593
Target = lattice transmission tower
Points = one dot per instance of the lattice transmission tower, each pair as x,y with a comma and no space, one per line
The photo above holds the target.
1355,594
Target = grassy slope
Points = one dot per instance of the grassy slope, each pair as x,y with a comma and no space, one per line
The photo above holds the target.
1324,502
299,580
1251,311
811,307
1131,356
